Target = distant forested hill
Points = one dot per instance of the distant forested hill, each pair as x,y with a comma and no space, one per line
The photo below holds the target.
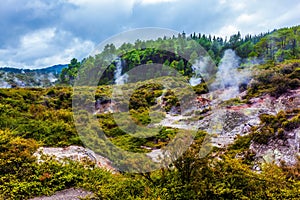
272,47
56,69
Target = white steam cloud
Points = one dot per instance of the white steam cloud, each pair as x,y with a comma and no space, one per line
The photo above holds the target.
52,78
4,84
203,68
119,78
228,77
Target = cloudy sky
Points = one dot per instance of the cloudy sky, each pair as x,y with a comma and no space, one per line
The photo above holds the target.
40,33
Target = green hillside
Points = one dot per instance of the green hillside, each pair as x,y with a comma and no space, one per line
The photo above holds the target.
43,117
273,47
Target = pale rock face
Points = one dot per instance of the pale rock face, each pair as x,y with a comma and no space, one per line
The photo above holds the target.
68,194
75,153
278,151
224,124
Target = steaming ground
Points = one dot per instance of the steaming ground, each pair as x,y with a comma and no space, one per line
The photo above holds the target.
202,70
32,79
119,78
228,75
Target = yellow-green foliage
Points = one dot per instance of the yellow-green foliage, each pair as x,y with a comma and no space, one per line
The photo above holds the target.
129,142
42,114
275,79
274,126
30,118
21,177
190,177
201,88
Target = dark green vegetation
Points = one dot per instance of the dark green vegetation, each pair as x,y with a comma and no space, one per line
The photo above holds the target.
34,117
271,128
276,46
274,126
275,79
190,178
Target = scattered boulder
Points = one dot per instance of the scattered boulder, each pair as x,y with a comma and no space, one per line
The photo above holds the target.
279,151
68,194
75,153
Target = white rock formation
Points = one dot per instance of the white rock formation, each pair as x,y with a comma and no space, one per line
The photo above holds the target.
75,153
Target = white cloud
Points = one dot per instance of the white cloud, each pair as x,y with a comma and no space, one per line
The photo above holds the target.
36,33
104,5
288,18
39,38
227,31
38,4
78,49
85,2
222,1
145,2
255,17
238,5
116,2
44,48
246,18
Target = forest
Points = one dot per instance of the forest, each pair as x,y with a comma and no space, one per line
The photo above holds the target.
272,47
34,117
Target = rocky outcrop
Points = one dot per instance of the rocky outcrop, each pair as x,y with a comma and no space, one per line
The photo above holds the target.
278,150
68,194
105,106
224,123
75,153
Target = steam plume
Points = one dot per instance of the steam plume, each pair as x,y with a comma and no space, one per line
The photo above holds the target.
119,78
203,68
229,77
